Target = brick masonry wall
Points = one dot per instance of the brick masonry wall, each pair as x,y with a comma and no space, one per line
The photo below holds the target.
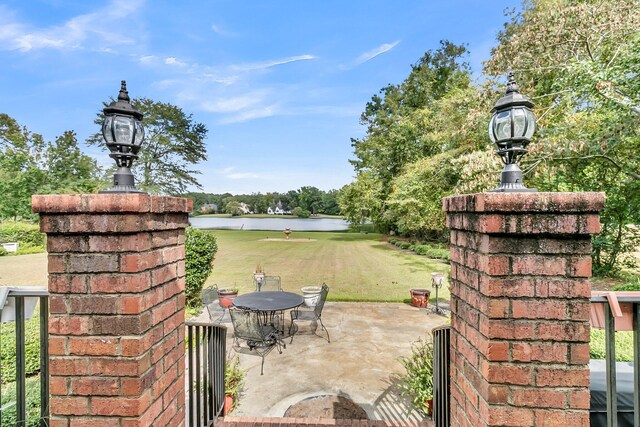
520,264
116,335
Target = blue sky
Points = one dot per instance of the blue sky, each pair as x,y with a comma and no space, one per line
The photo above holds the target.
279,84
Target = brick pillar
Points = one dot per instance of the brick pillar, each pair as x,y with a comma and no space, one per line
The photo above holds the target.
116,335
520,264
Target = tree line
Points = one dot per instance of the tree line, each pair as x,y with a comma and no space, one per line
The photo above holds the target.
303,202
426,137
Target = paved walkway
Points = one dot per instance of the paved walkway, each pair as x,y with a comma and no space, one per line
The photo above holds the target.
361,362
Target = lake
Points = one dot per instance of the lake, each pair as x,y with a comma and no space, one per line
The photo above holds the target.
271,224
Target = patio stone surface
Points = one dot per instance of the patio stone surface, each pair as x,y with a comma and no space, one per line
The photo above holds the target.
361,362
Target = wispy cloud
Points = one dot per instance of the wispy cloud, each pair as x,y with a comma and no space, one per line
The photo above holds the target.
222,31
272,63
369,55
231,173
251,114
171,60
99,30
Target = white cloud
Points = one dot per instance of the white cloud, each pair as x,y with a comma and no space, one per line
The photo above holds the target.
272,63
221,31
170,60
256,113
147,59
231,173
99,30
369,55
227,105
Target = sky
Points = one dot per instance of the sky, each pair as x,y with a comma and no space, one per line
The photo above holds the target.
279,84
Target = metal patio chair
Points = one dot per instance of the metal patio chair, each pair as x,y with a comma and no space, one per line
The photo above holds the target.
310,313
210,300
261,338
268,283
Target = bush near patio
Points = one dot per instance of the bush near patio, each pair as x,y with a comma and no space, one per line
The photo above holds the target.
8,403
27,234
200,250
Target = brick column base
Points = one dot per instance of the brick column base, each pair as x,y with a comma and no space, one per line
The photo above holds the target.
520,264
116,335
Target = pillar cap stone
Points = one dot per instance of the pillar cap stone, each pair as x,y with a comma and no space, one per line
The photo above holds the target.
109,203
585,202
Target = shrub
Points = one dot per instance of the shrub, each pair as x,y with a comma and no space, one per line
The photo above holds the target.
8,403
23,232
632,285
3,252
624,345
404,245
200,250
433,252
418,379
8,348
300,213
393,240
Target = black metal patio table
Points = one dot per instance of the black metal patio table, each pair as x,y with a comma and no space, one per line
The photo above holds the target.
269,303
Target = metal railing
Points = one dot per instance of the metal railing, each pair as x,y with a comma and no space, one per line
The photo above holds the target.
441,377
612,303
206,358
16,305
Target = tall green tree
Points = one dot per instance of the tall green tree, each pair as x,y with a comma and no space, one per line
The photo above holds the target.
174,143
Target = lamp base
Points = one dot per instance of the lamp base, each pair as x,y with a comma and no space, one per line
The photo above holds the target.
511,181
123,182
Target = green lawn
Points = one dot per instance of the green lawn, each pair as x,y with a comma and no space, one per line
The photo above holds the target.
356,266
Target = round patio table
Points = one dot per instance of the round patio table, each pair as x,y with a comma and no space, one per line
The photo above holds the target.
269,301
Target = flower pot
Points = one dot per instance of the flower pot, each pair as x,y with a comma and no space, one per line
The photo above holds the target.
226,297
228,404
11,246
428,407
311,295
420,297
622,311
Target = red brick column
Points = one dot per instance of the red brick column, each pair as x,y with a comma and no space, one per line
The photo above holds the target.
520,264
116,278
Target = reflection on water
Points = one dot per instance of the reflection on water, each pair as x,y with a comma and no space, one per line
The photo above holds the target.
271,224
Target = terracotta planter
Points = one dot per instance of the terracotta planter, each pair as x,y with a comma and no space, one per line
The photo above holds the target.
226,297
622,311
228,404
420,297
428,403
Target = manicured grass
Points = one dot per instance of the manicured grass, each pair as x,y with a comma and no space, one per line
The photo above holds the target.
357,267
624,345
23,270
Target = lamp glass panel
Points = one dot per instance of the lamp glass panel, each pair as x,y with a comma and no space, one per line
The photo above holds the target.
106,129
139,133
123,130
519,122
491,134
502,125
531,124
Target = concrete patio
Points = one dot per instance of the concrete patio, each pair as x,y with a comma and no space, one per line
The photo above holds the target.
361,362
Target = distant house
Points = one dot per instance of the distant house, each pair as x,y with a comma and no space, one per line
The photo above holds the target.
270,211
279,211
209,207
245,208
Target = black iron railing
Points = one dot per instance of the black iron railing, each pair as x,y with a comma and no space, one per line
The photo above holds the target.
611,319
441,378
16,305
206,356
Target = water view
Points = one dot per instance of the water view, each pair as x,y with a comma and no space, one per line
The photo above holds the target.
271,224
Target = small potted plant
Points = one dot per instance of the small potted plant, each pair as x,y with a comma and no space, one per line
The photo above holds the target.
311,295
233,382
226,296
258,275
420,297
418,380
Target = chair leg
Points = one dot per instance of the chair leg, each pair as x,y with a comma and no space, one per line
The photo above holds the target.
325,329
262,366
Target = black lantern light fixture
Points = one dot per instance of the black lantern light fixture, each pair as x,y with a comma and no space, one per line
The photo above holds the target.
511,129
123,132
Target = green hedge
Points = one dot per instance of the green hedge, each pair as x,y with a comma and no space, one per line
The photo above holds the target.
8,403
624,345
8,348
200,249
23,232
433,252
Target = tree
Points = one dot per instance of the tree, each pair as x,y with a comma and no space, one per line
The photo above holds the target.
173,144
233,208
68,170
310,199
